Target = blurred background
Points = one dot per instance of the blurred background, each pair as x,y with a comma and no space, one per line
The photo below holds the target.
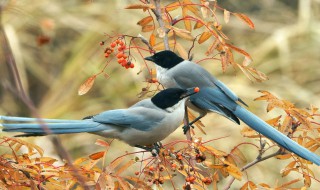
285,45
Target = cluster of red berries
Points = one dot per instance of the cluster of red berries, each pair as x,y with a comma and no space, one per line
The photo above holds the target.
121,56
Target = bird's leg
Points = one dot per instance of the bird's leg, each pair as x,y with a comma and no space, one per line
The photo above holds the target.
186,128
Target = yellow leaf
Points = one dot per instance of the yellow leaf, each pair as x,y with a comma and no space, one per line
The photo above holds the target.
286,124
187,23
183,53
226,15
274,121
160,46
234,171
213,151
288,168
145,21
87,85
245,19
140,6
198,25
124,167
284,156
204,36
192,8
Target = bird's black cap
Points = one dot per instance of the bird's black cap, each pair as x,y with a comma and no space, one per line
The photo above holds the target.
171,96
165,59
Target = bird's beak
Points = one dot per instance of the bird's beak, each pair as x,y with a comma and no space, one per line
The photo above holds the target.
150,58
190,91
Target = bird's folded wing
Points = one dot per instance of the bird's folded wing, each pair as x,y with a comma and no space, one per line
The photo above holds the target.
184,73
139,118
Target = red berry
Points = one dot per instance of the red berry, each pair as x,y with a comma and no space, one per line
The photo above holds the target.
119,55
131,65
101,43
120,60
106,55
136,173
113,44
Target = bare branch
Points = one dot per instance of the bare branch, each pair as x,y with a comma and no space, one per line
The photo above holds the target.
158,13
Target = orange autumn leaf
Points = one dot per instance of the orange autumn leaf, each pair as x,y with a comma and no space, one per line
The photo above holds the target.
187,23
87,85
145,21
204,37
172,6
239,50
97,155
245,19
152,40
198,25
140,6
148,28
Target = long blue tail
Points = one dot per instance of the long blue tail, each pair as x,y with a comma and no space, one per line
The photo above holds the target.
268,131
34,126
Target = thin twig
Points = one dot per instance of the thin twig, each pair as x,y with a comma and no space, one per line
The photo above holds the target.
158,13
257,160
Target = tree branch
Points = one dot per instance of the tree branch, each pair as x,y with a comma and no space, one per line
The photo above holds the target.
158,13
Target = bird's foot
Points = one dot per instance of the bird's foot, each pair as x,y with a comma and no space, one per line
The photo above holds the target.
186,128
154,149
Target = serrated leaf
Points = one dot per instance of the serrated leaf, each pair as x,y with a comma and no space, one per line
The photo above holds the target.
140,6
87,85
226,16
145,21
245,19
204,37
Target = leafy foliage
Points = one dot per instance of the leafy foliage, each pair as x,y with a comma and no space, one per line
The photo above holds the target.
200,165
